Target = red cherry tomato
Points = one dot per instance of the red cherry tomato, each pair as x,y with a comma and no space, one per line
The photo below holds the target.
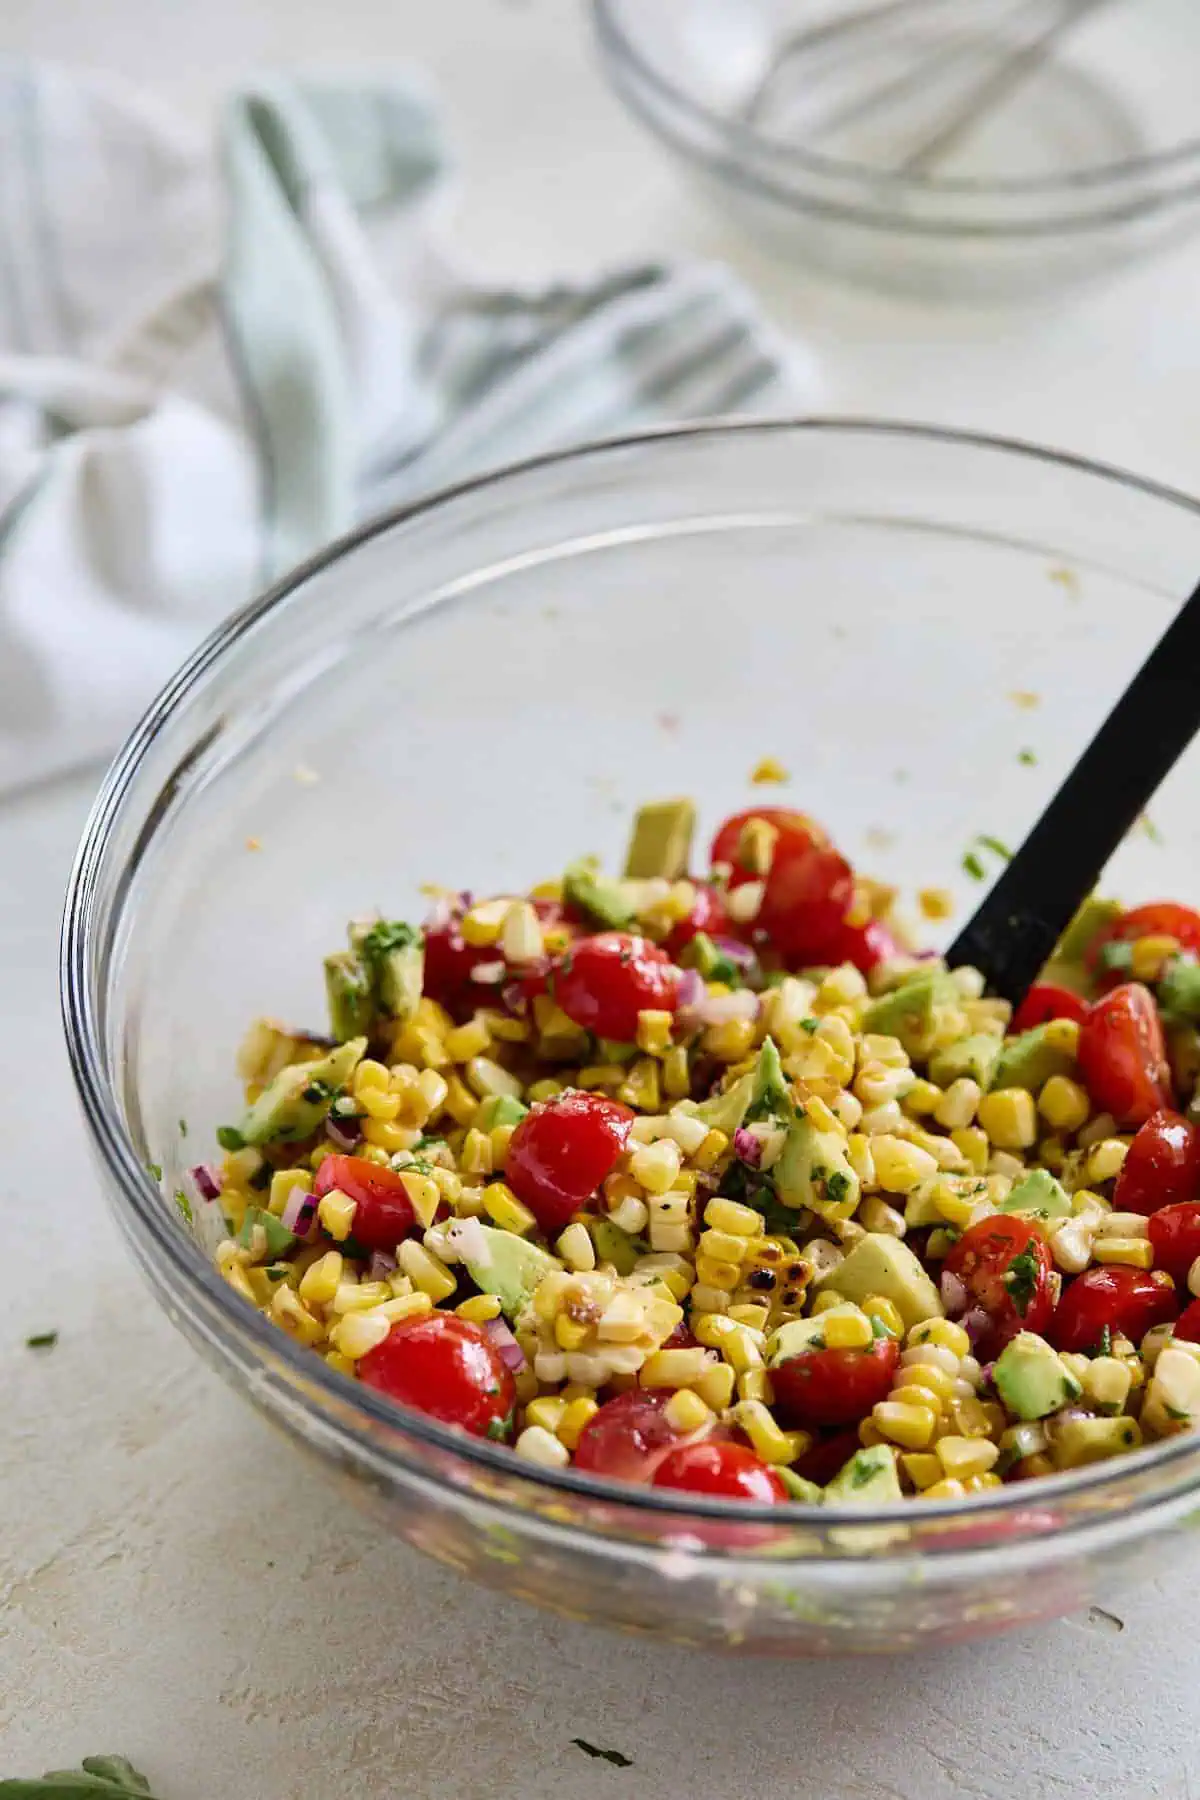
629,1437
1162,1167
682,1338
444,1366
1123,1057
1045,1001
796,831
866,946
827,1456
383,1212
604,982
708,914
1158,918
1126,1300
1187,1325
834,1387
1175,1239
450,964
561,1152
808,894
725,1470
1004,1264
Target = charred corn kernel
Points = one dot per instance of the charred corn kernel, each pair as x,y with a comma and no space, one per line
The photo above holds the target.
654,1031
546,1411
569,1334
675,1368
424,1194
722,1275
715,1386
1105,1159
404,1306
911,1425
475,1157
577,1413
1064,1104
900,1166
848,1331
656,1165
1148,956
479,1308
481,924
576,1248
504,1209
973,1144
922,1098
335,1210
466,1041
944,1333
729,1041
1009,1117
428,1273
1106,1383
460,1102
357,1333
319,1283
1130,1253
539,1446
724,1246
770,1442
934,1380
877,1306
732,1217
370,1077
962,1457
685,1411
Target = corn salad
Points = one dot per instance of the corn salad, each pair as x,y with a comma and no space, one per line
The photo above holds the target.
709,1182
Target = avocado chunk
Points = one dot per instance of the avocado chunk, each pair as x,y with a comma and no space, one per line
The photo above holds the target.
1029,1061
1093,917
350,996
812,1171
498,1109
971,1057
870,1478
510,1269
710,961
1080,1441
293,1105
907,1012
615,1246
1031,1379
394,952
807,1493
770,1096
1039,1193
1179,990
725,1112
279,1239
603,900
884,1265
793,1338
662,841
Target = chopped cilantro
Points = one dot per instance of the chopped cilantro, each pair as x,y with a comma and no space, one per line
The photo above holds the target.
1028,757
1150,828
389,935
317,1090
809,1025
500,1430
184,1205
230,1138
878,1328
183,1127
42,1340
1022,1279
996,846
1105,1341
154,1170
614,1757
973,867
973,863
862,1471
837,1186
1175,1412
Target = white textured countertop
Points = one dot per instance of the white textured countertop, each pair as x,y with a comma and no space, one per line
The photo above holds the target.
140,1499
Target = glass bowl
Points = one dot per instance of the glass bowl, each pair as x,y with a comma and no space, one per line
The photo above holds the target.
482,687
815,126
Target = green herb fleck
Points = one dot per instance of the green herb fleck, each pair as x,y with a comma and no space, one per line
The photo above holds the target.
996,846
1117,957
183,1127
42,1340
1150,828
500,1430
184,1205
389,935
1105,1341
973,867
1028,757
1175,1412
317,1090
862,1471
610,1756
878,1328
230,1138
809,1025
98,1776
154,1170
1022,1278
837,1186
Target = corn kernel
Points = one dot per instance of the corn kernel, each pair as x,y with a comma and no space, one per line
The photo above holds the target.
335,1360
922,1468
1106,1383
546,1411
387,1136
936,1382
481,924
1062,1034
576,1248
731,1216
1129,1253
729,1041
335,1211
370,1077
1064,1104
319,1283
1009,1117
686,1411
654,1031
908,1424
962,1457
1148,956
973,1144
428,1273
754,1313
942,1332
403,1306
656,1165
539,1446
384,1107
876,1215
675,1368
723,1246
900,1166
577,1413
922,1098
722,1275
877,1306
755,1384
357,1333
947,1489
959,1104
1104,1160
676,1075
466,1041
848,1331
479,1308
715,1386
569,1334
504,1209
770,1442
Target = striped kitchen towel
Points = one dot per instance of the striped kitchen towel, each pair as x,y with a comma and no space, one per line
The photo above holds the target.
210,365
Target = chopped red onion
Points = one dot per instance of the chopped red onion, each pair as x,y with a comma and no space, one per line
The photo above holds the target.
975,1323
737,952
439,916
510,1352
205,1182
299,1211
691,992
748,1145
345,1133
954,1294
380,1266
491,974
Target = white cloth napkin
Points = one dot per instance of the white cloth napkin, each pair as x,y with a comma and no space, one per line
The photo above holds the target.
212,364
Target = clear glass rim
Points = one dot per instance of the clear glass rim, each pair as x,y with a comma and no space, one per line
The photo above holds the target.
358,1409
1064,189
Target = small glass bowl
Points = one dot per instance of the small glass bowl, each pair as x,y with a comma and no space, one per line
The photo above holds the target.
1088,157
478,689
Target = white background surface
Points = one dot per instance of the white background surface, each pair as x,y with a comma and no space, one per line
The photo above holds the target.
171,1586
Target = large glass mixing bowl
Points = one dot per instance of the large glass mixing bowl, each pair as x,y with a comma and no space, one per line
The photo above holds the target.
485,686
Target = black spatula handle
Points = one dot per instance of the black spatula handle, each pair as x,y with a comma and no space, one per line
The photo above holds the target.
1058,865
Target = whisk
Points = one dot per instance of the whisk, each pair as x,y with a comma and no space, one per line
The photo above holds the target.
916,75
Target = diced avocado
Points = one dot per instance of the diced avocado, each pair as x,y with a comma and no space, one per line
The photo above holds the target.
1093,917
498,1109
1031,1378
1073,976
921,1208
884,1265
870,1478
609,1050
971,1057
1029,1061
292,1105
614,1245
279,1239
349,992
710,961
793,1338
907,1011
1038,1193
812,1171
394,952
511,1268
725,1112
770,1096
1080,1441
662,840
1179,990
603,900
807,1493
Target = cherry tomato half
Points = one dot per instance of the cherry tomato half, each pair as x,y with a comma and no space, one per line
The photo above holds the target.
1126,1300
444,1366
561,1151
796,830
723,1469
866,946
1004,1264
629,1437
450,964
1123,1057
834,1387
1158,918
1045,1001
383,1212
604,982
1187,1325
808,895
708,914
827,1456
1175,1239
1162,1166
